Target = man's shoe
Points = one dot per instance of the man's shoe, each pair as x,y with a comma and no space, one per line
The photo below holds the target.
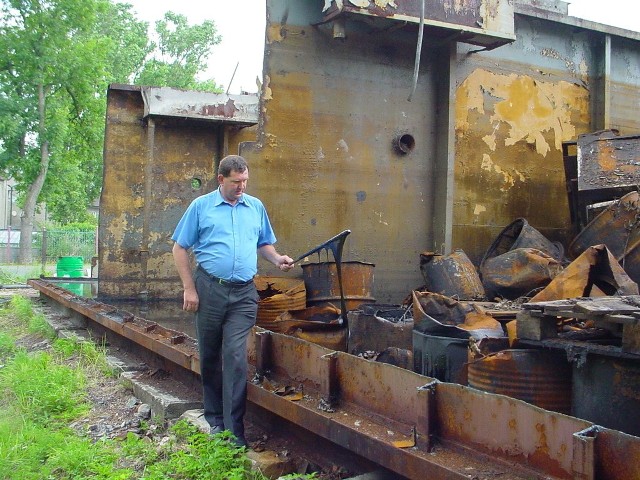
240,442
216,429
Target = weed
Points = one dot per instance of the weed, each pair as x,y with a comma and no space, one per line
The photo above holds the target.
42,390
7,345
14,276
89,356
22,309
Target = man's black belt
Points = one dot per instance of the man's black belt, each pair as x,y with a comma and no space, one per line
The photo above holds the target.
221,281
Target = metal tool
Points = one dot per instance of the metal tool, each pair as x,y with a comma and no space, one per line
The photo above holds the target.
335,244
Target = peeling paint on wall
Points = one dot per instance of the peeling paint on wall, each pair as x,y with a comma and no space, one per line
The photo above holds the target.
509,178
365,3
509,134
529,107
267,94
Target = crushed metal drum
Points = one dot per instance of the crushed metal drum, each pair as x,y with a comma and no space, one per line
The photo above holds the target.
452,275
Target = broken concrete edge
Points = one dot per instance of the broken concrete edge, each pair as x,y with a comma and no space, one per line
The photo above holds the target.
164,405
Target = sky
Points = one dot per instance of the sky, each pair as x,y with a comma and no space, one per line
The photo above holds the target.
236,62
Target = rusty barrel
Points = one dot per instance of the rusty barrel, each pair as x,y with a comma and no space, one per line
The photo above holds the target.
452,275
542,378
278,295
519,234
323,288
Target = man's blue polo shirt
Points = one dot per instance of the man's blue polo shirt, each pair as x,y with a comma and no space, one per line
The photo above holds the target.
225,237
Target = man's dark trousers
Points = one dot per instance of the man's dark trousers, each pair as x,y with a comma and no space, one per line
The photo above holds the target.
225,316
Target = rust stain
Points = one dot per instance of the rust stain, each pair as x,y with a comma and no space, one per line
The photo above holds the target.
607,158
542,438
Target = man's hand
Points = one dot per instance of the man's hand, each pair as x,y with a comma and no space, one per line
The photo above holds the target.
191,300
190,297
285,263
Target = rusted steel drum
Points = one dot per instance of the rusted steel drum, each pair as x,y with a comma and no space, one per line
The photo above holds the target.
519,234
517,273
277,295
452,275
542,378
618,227
323,288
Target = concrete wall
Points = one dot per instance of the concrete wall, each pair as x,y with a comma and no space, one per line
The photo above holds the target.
150,165
485,126
325,160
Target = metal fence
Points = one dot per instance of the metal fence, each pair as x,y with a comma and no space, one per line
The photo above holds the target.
49,245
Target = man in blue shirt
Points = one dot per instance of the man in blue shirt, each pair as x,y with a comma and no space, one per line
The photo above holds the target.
225,230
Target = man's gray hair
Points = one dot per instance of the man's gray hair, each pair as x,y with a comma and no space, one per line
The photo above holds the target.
232,163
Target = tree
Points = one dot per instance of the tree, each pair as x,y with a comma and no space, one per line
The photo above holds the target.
181,52
57,58
51,63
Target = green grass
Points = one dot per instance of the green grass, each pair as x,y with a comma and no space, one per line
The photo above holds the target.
42,392
17,274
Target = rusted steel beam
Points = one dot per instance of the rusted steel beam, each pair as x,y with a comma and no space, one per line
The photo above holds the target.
329,384
616,454
413,425
144,333
583,464
504,427
336,429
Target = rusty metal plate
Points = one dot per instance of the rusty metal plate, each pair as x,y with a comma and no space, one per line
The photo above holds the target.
171,102
607,161
478,22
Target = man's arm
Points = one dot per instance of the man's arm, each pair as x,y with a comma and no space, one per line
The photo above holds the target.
283,262
183,265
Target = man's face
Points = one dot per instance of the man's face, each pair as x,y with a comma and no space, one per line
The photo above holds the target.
233,186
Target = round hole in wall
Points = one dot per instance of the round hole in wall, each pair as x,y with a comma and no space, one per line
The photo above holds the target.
404,143
196,183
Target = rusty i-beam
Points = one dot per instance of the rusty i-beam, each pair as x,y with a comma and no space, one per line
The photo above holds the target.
408,423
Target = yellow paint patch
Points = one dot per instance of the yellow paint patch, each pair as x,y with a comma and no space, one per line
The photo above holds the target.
274,33
294,397
487,163
408,443
267,93
479,209
490,140
509,178
534,110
